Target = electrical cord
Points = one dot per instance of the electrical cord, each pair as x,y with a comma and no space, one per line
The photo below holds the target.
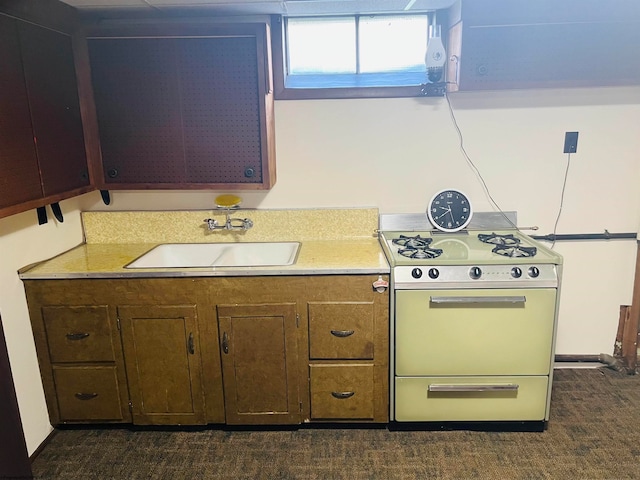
475,169
564,186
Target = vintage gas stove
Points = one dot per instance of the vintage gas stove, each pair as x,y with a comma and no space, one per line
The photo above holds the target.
473,321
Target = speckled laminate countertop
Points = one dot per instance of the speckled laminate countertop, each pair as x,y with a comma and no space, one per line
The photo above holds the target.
324,249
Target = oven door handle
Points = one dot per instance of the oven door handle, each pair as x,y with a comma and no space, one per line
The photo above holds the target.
500,387
475,300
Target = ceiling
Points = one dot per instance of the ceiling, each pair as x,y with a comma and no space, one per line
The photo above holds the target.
259,7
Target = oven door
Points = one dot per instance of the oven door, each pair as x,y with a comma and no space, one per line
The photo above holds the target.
474,332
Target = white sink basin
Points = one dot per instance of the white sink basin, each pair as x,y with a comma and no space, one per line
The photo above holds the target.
186,255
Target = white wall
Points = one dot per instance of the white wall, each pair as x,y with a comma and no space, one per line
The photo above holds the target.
394,154
22,242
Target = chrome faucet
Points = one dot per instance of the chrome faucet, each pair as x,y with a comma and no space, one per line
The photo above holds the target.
228,202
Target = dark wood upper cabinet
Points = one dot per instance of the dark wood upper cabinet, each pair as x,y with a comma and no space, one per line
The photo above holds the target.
184,106
42,148
511,44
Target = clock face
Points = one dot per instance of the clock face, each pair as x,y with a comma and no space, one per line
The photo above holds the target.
449,210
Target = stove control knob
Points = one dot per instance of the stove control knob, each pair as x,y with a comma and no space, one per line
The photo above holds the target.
534,272
516,272
475,273
416,273
433,273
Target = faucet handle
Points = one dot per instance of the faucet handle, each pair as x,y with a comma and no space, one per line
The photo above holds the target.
212,223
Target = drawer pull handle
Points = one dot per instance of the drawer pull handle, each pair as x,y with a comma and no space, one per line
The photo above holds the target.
501,387
343,395
77,336
86,396
342,333
509,299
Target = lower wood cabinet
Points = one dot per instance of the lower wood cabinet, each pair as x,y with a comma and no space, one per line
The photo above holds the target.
162,357
260,363
236,350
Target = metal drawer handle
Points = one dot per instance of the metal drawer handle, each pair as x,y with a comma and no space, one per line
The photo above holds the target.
77,336
500,387
343,395
85,396
472,300
342,333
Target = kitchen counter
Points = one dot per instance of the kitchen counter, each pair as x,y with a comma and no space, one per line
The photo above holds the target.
332,241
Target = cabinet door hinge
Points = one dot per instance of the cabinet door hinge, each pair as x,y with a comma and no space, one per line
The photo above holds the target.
300,407
118,322
297,320
131,407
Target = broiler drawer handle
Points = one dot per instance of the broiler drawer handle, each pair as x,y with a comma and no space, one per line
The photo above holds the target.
472,300
500,387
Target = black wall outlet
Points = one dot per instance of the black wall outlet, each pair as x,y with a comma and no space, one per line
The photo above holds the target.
570,142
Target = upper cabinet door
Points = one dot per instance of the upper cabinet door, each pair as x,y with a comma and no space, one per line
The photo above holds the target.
20,178
514,44
184,107
42,150
55,109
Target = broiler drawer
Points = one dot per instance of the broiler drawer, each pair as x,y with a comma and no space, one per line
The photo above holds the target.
441,399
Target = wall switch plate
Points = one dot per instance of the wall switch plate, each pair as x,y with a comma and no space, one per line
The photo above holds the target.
570,142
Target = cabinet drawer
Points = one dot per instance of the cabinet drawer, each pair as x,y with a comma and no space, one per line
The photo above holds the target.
427,399
78,334
342,392
88,393
341,330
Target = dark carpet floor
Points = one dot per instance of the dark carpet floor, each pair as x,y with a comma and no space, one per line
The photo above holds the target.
593,433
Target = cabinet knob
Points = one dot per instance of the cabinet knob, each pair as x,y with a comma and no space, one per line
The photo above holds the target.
225,342
249,172
190,345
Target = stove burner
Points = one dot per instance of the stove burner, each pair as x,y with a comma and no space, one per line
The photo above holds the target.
515,250
420,252
412,242
497,239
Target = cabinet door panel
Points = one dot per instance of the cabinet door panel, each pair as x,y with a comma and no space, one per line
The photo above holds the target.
162,358
20,178
221,109
135,83
55,109
259,363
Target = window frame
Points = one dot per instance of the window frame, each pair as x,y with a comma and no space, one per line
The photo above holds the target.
281,92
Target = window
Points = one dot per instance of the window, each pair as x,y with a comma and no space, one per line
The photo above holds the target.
350,56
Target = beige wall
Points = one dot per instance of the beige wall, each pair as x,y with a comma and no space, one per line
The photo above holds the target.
394,154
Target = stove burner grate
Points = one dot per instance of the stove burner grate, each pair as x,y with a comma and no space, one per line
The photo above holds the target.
497,239
420,252
515,251
412,242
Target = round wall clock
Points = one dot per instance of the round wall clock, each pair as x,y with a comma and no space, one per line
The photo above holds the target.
449,210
